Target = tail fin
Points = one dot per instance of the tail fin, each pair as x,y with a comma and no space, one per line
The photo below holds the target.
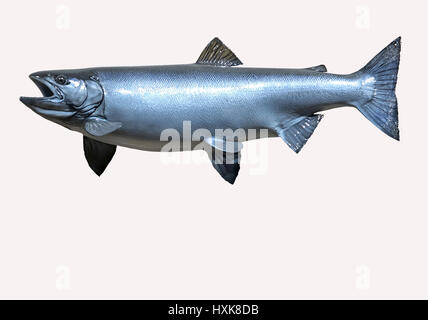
382,109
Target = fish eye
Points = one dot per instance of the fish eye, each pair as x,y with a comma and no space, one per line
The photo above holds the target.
61,79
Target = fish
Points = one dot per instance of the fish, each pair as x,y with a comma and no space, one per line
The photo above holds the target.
213,105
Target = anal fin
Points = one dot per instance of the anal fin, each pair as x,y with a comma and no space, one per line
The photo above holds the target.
298,134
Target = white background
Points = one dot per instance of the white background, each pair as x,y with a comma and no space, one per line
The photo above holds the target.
345,218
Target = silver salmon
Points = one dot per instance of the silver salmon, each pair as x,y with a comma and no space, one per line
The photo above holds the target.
148,107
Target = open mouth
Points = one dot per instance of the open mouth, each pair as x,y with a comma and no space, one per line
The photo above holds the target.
52,103
49,91
43,87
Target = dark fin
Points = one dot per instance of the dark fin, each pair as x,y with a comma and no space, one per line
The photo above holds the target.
98,127
382,109
297,135
217,54
98,154
320,68
225,157
227,165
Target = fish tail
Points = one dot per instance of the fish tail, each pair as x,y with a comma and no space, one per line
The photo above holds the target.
379,78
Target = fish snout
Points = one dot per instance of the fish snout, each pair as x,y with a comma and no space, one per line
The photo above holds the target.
52,101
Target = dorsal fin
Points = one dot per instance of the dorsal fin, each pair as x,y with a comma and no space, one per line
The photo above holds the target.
217,54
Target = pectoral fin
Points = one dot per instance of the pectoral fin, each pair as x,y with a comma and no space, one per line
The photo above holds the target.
98,154
98,126
225,157
299,132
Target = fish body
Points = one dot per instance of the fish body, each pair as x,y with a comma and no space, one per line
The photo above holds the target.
210,97
139,107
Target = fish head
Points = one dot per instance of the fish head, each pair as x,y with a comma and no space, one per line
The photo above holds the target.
68,96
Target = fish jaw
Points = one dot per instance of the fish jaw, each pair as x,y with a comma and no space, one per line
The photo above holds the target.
52,103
